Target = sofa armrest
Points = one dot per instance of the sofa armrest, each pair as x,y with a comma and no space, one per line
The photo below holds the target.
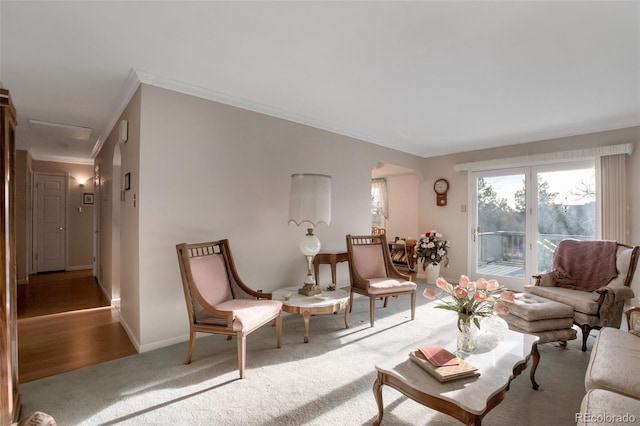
611,303
619,293
543,280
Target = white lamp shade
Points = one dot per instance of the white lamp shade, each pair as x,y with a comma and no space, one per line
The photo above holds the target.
310,199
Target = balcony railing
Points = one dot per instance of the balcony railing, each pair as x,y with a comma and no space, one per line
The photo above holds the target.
505,251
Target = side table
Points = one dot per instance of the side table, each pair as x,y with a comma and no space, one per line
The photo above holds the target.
328,302
330,258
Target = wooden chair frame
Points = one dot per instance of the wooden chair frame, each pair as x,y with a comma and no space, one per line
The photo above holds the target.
239,290
360,285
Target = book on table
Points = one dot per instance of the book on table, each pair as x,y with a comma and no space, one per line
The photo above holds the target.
442,364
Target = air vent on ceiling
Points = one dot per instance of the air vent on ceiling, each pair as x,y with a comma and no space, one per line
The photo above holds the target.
60,131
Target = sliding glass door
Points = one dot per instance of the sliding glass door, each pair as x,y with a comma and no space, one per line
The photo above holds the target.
518,216
499,228
566,208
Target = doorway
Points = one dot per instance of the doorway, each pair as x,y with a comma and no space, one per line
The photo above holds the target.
394,201
50,222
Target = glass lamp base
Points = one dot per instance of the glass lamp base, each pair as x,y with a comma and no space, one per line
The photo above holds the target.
310,288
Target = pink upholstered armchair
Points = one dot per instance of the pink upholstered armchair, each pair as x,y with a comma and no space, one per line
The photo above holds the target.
218,301
373,274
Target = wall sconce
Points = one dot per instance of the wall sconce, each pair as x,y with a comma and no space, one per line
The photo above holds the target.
310,201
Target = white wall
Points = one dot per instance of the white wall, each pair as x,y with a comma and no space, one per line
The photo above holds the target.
128,274
210,171
207,171
402,193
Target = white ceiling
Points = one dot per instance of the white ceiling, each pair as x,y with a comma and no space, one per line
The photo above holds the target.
427,78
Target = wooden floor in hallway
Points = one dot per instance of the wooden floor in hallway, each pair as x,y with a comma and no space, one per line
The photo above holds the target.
65,323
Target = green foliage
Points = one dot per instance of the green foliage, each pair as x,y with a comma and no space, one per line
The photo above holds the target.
554,217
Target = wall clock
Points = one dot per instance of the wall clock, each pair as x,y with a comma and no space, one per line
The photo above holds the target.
441,186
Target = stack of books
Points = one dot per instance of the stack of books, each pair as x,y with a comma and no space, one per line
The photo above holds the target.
442,364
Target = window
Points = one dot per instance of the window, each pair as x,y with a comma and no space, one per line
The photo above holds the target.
379,207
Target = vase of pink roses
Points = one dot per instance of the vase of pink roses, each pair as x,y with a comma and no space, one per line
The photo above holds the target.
471,300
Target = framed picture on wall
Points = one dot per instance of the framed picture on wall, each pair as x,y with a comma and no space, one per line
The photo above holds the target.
87,198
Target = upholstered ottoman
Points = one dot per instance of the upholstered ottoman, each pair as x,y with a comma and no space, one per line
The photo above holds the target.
549,320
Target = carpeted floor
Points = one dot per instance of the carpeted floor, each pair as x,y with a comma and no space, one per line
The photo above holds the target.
325,382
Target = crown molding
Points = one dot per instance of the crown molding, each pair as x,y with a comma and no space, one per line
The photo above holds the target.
132,84
212,95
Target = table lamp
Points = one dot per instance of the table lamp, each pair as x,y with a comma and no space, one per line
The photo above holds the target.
310,202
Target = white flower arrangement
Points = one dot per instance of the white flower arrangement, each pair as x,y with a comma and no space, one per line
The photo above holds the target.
432,249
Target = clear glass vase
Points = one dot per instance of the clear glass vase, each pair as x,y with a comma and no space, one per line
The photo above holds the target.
467,336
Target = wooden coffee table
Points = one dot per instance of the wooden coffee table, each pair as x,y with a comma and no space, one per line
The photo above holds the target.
468,400
329,303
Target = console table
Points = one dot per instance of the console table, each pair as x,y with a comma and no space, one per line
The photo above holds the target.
329,258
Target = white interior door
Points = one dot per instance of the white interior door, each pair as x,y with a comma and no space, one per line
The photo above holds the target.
51,199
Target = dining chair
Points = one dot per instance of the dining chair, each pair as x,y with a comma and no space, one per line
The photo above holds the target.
373,274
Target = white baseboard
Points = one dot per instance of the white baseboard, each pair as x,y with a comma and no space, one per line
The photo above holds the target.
106,294
132,337
155,345
79,268
166,342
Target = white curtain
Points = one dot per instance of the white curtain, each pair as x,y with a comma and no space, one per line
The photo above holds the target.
613,208
379,195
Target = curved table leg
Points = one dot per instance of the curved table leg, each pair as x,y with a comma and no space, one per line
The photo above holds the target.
306,315
377,393
534,366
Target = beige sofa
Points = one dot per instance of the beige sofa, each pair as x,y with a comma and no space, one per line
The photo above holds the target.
594,309
611,380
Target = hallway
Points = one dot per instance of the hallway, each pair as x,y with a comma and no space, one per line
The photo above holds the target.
65,323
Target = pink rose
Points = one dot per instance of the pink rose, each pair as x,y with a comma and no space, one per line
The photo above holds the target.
480,296
508,296
481,284
463,281
492,285
461,292
500,308
429,293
